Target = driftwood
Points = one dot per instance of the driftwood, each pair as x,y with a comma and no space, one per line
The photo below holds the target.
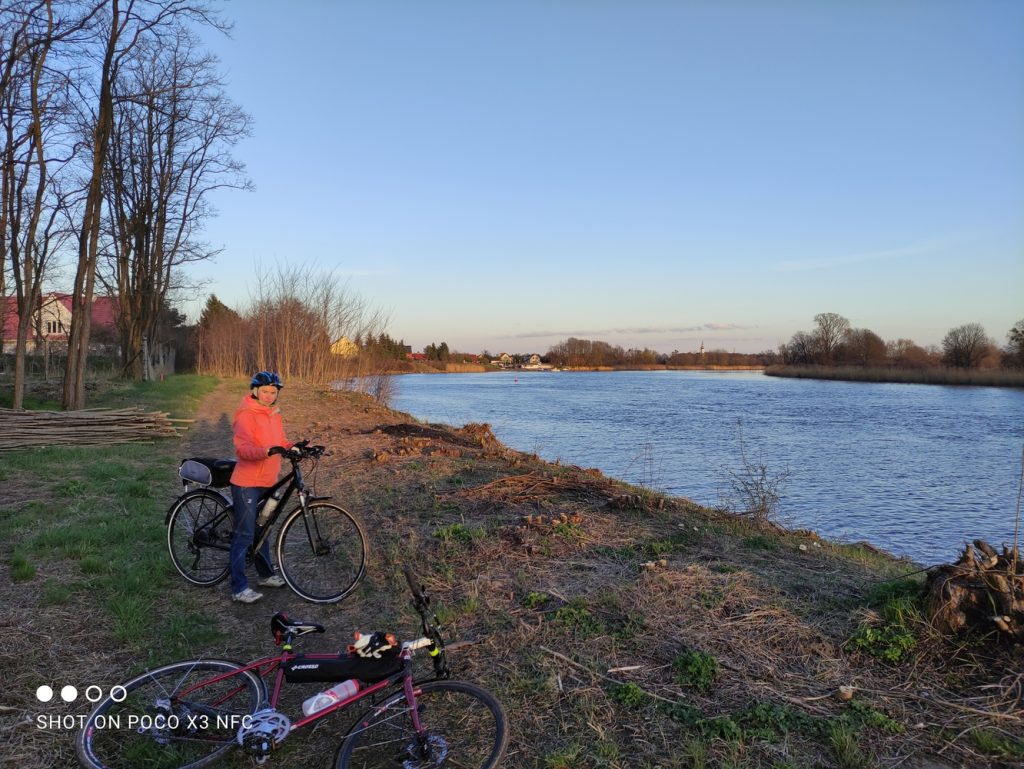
90,427
982,590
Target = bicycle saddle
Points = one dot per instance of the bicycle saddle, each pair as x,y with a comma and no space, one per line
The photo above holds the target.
281,625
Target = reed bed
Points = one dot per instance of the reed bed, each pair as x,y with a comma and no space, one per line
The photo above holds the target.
938,376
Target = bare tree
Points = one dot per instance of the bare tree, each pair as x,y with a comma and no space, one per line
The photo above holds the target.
801,350
829,334
862,347
293,318
172,132
964,346
124,26
33,157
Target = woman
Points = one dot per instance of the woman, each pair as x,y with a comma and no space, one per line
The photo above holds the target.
257,429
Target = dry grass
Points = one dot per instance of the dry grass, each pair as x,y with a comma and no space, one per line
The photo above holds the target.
939,375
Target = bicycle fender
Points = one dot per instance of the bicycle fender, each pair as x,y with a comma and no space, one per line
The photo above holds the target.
320,499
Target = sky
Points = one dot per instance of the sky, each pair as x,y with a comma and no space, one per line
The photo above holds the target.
504,175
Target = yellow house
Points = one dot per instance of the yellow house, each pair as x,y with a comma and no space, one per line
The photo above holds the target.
345,348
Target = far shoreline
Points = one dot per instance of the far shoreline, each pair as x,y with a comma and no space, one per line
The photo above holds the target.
870,375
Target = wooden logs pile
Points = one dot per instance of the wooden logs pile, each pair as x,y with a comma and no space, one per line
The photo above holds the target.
983,589
90,427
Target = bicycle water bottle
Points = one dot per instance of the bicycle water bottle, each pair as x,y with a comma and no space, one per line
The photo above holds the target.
324,699
268,508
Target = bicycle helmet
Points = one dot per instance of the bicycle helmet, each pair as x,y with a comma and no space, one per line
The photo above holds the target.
266,379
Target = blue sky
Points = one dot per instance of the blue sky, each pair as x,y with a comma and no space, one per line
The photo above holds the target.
654,174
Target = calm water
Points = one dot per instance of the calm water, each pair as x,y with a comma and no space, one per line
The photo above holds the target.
915,469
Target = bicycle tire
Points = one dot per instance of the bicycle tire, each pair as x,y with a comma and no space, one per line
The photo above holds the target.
322,552
466,726
199,537
116,735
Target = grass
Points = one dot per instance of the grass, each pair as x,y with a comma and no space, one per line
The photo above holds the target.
890,634
100,511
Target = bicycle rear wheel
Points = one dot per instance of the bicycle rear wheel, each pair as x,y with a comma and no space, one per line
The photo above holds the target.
199,536
322,552
169,719
464,725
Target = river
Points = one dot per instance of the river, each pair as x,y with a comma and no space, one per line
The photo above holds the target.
914,469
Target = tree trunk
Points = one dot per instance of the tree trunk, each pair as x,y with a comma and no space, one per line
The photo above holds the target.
89,235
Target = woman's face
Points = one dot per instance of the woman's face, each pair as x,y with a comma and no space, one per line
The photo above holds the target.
266,395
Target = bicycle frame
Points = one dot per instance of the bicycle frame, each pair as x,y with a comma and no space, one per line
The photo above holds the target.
292,482
267,665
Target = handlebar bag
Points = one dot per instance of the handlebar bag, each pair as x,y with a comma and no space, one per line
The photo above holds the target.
307,668
206,472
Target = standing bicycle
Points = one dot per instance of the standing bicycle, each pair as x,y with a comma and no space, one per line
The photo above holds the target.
188,714
321,548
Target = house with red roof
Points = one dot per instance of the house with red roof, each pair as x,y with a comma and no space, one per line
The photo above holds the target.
52,321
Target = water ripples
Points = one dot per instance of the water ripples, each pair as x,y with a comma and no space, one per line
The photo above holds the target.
914,469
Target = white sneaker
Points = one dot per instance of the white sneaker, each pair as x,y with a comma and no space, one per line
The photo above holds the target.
247,596
274,580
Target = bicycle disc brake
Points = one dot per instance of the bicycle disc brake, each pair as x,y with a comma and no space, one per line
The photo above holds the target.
262,733
432,753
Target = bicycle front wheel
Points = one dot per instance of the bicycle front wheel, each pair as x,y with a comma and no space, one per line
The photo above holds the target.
463,725
199,537
322,552
174,717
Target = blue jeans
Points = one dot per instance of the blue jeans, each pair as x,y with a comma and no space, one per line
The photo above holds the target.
244,499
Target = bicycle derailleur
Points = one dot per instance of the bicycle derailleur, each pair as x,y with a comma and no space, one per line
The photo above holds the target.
262,733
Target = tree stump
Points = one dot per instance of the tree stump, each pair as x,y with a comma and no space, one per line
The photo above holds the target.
982,590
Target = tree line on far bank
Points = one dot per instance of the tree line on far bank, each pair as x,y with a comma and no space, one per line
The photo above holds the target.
835,342
832,342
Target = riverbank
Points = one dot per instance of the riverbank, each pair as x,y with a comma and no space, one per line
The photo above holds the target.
935,376
619,627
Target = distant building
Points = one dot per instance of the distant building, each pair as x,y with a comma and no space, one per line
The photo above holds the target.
345,348
51,322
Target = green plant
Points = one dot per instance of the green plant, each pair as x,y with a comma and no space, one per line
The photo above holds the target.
847,752
54,593
576,616
456,533
629,695
534,600
567,530
565,758
860,714
761,542
998,745
695,669
892,637
721,727
22,569
771,722
889,642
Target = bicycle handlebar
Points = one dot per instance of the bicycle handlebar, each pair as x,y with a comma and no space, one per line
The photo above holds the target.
431,626
299,451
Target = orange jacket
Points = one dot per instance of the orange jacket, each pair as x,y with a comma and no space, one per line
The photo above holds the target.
257,429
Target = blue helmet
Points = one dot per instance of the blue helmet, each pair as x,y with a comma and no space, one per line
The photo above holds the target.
266,379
